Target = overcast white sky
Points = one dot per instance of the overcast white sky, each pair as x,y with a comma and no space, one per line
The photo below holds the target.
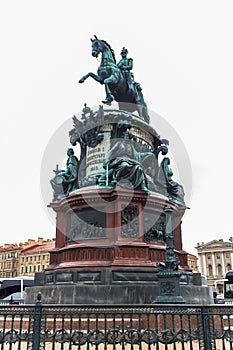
183,58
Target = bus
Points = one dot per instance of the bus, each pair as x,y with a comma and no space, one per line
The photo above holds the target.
12,289
228,287
226,297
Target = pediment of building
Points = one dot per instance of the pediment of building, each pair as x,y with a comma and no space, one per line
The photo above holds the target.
215,244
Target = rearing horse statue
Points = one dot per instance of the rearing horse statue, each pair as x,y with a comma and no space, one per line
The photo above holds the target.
115,81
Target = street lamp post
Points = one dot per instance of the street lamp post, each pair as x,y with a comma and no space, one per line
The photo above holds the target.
169,276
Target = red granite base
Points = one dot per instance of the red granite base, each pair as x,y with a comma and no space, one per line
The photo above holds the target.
113,239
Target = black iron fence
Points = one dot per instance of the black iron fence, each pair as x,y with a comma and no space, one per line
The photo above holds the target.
116,327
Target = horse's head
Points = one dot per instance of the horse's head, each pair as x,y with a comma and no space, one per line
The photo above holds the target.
96,46
103,47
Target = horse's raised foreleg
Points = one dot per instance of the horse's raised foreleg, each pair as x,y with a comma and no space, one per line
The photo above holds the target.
92,75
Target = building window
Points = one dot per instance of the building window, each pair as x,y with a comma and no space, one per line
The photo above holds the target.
38,268
208,256
227,255
219,269
210,270
218,255
34,257
34,268
228,267
30,258
22,270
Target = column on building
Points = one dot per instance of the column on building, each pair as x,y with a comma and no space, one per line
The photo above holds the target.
231,255
213,264
223,264
200,267
203,270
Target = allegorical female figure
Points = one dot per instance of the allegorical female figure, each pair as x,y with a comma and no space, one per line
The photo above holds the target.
66,180
123,166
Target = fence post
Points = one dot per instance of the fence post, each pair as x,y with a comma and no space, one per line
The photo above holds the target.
206,328
37,323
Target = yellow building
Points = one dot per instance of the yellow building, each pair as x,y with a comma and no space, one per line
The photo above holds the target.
9,260
24,258
35,257
192,262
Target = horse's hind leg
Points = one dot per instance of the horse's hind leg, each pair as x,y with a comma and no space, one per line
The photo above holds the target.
140,112
145,114
109,95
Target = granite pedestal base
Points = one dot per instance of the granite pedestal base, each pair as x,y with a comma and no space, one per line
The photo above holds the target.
109,286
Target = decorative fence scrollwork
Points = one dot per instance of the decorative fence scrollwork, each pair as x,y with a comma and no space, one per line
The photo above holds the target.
116,327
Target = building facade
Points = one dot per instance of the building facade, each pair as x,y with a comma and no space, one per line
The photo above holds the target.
35,258
24,259
215,258
193,262
9,260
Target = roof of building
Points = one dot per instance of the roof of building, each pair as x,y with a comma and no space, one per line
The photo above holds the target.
8,247
215,243
192,256
29,244
38,248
